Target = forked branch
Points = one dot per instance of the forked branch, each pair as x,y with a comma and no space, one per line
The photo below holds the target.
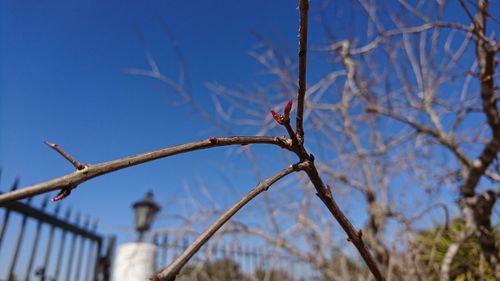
323,191
169,273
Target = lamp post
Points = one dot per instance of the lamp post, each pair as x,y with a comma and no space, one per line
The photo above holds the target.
136,260
145,211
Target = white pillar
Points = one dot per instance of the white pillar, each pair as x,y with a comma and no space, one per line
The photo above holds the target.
134,262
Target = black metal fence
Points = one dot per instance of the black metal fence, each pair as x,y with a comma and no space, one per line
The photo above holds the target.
38,245
249,259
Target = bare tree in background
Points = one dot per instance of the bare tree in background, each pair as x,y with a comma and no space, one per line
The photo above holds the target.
420,72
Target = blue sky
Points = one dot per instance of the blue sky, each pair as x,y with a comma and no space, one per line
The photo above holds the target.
62,80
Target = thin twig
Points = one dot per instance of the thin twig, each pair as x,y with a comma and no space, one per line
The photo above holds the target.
76,164
169,273
304,8
93,170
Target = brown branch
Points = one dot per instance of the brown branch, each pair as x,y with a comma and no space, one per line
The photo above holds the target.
354,235
170,273
76,164
476,208
304,9
93,170
325,195
486,61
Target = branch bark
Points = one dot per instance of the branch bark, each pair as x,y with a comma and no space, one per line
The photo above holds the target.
476,208
304,9
91,171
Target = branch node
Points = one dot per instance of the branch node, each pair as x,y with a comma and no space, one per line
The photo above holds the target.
329,192
311,157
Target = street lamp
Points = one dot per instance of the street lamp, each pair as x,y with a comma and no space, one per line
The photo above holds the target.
145,211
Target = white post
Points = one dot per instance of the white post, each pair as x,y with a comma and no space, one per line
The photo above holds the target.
134,262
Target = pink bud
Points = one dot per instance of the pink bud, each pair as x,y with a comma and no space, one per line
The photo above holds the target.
288,108
277,117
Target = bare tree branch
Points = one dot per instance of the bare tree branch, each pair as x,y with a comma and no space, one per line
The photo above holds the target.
304,9
90,171
170,273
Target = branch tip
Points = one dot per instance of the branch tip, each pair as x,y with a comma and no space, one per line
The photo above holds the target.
288,108
58,149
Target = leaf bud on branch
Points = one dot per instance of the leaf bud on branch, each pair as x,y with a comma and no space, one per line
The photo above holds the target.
282,119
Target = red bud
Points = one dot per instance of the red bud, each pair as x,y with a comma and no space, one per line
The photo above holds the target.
277,117
288,108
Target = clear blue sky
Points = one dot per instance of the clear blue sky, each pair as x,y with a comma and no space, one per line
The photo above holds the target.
62,80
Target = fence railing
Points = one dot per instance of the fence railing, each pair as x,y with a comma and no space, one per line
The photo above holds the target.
47,246
250,259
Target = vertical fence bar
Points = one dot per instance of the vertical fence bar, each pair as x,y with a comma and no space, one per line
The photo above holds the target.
97,260
234,251
18,244
165,249
106,259
90,252
80,251
61,247
48,250
157,245
7,215
72,251
34,249
90,261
